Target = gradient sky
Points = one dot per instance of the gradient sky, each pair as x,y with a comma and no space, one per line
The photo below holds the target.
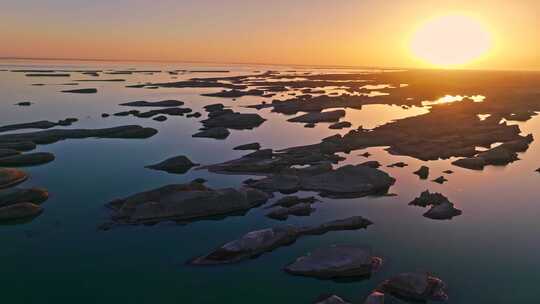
312,32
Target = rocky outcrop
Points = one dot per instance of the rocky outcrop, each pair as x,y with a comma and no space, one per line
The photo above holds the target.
256,243
441,207
81,91
184,202
178,164
335,262
233,120
10,177
423,172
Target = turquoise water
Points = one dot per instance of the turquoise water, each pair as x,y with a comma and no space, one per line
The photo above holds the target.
487,255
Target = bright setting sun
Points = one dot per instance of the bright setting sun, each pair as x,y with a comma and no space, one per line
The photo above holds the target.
451,40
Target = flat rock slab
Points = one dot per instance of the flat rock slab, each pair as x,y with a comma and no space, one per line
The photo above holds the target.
416,287
315,117
234,120
184,202
52,136
21,195
255,243
42,124
282,213
30,159
250,146
10,177
19,211
335,262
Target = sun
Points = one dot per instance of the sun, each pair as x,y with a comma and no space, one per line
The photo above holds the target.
450,41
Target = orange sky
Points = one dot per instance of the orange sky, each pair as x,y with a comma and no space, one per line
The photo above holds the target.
312,32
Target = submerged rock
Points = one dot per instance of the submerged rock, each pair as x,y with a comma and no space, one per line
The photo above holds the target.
251,146
161,104
282,213
256,243
184,202
21,195
10,177
416,287
178,164
330,299
217,133
423,172
19,211
335,262
30,159
160,118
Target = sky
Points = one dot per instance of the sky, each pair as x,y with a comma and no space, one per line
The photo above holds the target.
308,32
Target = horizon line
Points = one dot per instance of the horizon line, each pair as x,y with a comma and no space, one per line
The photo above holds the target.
257,63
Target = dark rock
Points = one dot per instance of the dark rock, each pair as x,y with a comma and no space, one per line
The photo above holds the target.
234,120
196,115
178,164
315,117
372,164
21,195
416,287
24,103
47,75
440,180
498,156
398,165
19,211
52,136
214,107
160,118
251,146
42,124
474,163
234,93
366,154
335,262
256,243
165,111
309,125
11,177
217,133
423,172
81,91
448,172
104,115
19,146
30,159
161,104
375,297
8,152
184,202
340,125
441,207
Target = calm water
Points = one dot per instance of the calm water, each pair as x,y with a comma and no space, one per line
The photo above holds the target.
487,255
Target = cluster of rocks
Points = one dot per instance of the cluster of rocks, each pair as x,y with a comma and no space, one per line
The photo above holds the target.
440,207
220,120
19,204
291,205
164,107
